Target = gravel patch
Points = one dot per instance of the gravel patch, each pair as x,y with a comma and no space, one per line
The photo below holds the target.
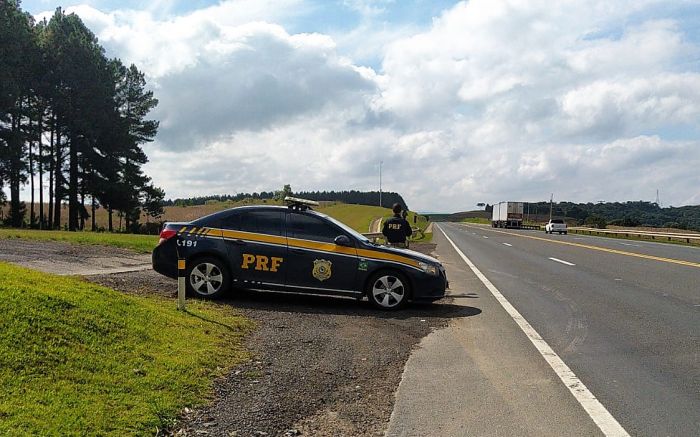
70,259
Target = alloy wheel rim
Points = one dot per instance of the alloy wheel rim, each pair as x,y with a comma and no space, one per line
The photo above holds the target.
388,291
206,278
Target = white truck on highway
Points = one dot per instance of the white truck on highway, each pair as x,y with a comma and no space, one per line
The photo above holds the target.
507,215
555,225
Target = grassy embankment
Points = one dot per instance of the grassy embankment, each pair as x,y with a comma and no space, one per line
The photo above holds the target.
357,217
137,243
682,241
477,220
81,359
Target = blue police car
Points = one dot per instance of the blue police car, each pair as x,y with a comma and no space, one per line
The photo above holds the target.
294,249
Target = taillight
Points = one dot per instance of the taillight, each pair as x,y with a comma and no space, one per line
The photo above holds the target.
166,234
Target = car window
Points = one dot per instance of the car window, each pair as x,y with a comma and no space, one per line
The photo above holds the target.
311,228
230,221
347,229
259,222
558,221
213,220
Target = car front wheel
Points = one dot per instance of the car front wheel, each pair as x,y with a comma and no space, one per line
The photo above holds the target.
388,290
207,277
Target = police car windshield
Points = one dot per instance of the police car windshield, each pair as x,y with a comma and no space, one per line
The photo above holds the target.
347,229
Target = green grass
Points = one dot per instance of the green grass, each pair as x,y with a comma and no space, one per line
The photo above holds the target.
675,240
81,359
357,217
138,243
477,220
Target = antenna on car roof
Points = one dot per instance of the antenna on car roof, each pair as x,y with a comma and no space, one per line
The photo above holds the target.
299,204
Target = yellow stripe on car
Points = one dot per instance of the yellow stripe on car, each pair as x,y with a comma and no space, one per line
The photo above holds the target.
323,247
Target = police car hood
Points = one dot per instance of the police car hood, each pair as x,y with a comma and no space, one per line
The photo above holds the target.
411,254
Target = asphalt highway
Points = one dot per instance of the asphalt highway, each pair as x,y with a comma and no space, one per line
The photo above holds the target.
623,315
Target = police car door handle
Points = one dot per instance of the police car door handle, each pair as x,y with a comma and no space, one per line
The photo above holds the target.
240,242
297,250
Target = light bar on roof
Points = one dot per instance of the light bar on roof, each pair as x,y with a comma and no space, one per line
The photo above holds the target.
298,201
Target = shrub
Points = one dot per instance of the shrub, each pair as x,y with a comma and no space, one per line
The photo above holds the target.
596,221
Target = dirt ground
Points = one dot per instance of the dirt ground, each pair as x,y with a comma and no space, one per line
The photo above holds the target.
321,366
64,258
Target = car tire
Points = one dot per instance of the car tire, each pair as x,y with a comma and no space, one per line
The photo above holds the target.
207,277
388,290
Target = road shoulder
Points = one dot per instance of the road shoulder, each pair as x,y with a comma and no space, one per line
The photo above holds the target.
481,375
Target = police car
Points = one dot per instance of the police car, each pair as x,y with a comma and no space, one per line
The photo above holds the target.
294,249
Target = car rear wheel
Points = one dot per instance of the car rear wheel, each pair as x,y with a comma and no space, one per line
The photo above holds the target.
388,290
208,277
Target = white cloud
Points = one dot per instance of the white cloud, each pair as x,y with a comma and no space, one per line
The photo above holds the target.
499,99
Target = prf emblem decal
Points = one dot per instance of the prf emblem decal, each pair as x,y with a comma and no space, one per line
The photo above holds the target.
322,269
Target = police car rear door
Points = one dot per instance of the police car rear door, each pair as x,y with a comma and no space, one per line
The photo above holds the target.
257,247
314,261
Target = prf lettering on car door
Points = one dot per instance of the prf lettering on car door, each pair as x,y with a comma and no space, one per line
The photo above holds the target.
261,262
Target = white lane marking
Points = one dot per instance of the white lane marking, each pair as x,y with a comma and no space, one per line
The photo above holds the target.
485,236
562,261
600,415
508,244
628,244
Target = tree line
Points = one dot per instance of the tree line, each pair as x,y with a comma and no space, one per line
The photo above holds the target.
355,197
628,214
370,198
71,121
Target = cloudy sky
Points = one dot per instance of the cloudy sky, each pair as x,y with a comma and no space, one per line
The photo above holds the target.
464,102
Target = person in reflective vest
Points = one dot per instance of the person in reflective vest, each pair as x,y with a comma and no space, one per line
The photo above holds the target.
396,229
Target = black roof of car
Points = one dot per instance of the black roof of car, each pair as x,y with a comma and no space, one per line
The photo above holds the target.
216,214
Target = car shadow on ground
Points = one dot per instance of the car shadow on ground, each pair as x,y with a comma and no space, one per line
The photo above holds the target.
309,304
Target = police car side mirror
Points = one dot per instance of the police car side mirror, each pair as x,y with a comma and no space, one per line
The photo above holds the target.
343,240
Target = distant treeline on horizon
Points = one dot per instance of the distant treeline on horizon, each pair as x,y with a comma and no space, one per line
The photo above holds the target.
628,214
370,198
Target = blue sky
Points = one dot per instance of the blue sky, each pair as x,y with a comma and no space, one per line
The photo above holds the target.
464,102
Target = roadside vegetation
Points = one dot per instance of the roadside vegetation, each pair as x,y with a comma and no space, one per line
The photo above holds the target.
81,359
683,241
477,220
73,120
357,217
136,242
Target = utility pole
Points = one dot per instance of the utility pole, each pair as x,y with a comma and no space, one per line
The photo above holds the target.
380,182
528,212
551,199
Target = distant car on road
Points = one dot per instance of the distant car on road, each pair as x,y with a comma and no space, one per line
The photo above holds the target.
294,249
555,225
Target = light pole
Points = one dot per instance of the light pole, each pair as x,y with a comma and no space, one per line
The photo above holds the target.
380,182
528,212
551,199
